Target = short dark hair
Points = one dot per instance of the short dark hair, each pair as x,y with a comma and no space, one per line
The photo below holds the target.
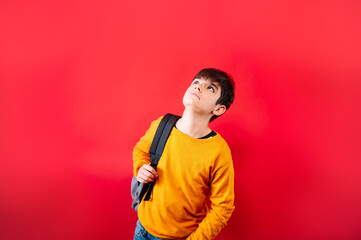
226,83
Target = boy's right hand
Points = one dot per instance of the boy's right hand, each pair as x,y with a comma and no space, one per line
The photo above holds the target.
146,174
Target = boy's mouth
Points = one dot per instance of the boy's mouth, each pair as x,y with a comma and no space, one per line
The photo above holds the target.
195,94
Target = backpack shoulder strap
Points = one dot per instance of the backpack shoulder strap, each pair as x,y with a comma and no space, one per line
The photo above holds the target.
158,134
161,137
167,129
158,144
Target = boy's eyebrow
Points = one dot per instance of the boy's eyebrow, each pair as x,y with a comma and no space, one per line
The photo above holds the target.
214,85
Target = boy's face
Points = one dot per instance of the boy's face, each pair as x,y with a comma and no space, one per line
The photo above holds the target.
202,96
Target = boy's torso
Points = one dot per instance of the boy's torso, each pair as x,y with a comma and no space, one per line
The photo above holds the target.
185,173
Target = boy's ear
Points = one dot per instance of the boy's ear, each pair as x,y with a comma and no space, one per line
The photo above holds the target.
219,110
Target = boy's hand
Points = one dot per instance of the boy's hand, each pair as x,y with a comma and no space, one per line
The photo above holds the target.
146,174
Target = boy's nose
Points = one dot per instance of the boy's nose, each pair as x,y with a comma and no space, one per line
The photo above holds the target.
197,87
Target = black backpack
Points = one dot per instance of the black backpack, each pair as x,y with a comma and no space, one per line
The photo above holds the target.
138,190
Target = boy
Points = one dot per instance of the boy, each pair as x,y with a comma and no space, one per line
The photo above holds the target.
196,164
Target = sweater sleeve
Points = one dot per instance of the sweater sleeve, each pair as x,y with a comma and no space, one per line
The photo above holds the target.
141,149
221,198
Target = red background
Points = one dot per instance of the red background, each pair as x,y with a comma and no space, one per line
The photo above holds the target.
81,81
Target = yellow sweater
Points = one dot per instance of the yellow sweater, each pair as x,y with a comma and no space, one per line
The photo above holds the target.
189,170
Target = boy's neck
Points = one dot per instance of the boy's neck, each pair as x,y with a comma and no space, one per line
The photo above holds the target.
193,124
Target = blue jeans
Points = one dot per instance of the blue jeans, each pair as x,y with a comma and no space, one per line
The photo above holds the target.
142,234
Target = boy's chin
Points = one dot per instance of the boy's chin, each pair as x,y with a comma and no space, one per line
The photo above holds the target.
189,103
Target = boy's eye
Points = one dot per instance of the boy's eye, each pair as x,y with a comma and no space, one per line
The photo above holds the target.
211,88
195,82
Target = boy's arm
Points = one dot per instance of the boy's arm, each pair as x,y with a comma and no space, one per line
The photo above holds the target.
141,149
222,202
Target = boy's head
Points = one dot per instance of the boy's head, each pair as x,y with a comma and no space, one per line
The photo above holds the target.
225,82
